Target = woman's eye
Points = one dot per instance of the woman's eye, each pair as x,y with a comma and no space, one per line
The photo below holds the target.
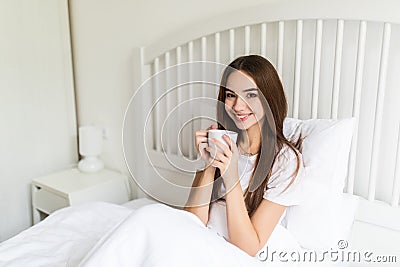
251,95
230,95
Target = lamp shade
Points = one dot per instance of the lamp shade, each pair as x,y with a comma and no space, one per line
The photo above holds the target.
90,146
90,140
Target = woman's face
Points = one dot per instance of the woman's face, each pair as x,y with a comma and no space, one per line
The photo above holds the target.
242,100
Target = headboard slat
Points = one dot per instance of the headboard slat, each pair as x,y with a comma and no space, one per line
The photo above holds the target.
203,124
156,88
337,69
357,102
190,57
263,44
379,111
297,77
281,29
217,37
203,48
179,92
217,56
317,69
247,40
167,58
231,44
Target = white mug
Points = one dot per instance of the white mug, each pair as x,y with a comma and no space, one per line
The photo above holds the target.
217,134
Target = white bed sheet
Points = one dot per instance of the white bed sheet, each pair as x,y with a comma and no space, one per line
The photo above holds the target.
63,238
158,235
104,234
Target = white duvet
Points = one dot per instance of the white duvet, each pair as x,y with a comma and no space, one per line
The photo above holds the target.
64,238
158,235
102,234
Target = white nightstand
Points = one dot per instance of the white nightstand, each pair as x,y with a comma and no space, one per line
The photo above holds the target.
70,187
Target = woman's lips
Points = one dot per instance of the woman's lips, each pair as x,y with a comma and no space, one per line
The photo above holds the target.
242,117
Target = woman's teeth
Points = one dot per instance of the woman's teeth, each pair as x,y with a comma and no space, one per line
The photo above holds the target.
243,117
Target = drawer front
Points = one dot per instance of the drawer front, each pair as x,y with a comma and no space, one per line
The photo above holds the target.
48,202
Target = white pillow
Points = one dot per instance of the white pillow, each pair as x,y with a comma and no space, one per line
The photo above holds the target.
326,147
322,221
325,215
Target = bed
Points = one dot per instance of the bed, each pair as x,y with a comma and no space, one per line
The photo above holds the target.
339,63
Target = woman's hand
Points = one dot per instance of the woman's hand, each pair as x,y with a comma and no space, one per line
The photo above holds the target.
226,161
201,141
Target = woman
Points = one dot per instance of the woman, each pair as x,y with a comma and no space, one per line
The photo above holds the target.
254,181
255,198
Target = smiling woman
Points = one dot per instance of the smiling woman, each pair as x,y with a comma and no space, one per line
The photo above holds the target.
256,200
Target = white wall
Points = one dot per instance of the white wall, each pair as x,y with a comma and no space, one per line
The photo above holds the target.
104,33
37,109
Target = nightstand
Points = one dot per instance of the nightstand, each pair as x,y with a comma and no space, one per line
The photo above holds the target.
70,187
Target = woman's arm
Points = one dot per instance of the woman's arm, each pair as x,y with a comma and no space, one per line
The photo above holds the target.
250,234
200,195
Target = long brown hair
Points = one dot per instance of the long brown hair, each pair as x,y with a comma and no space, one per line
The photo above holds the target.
272,138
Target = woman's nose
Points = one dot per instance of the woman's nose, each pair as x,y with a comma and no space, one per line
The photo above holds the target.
239,104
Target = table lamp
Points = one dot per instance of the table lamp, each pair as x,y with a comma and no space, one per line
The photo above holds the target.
90,146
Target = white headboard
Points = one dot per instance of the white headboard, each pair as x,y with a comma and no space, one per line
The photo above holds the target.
336,59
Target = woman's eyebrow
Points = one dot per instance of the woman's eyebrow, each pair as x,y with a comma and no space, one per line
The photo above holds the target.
250,89
245,90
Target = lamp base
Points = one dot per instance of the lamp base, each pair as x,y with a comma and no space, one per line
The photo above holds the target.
90,164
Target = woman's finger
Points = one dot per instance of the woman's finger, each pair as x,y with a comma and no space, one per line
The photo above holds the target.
217,154
215,163
232,145
212,127
221,156
211,151
228,141
201,139
222,146
202,147
201,133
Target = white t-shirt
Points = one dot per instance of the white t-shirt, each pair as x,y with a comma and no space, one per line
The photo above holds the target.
282,174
